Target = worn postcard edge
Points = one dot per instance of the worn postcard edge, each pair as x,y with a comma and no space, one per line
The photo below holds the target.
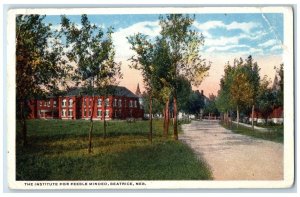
288,59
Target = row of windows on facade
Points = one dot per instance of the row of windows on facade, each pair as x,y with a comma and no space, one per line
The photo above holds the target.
116,103
99,113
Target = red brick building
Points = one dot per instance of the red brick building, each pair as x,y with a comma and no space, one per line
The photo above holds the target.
78,104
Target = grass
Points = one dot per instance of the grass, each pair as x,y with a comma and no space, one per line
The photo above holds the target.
57,150
275,134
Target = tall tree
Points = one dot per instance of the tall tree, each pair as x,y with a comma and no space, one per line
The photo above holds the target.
92,50
184,43
252,70
143,61
39,62
241,90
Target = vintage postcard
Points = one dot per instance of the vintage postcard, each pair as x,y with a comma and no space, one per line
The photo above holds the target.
150,98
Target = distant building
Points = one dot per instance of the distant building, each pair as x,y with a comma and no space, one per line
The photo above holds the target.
77,104
139,95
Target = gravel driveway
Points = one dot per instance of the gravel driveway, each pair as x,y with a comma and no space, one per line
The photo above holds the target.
233,156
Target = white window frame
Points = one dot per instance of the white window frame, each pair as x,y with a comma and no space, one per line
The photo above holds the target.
54,103
64,103
99,114
107,102
48,103
84,102
135,104
107,113
115,102
63,113
130,103
41,104
70,112
120,102
70,102
99,102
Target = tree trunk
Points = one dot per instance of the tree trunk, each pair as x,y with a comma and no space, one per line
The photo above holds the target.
167,119
168,116
150,122
252,117
175,117
91,125
237,116
24,123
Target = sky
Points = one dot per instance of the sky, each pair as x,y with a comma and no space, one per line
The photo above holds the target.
227,36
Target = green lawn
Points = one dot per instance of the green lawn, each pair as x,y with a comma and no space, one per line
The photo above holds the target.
275,134
57,150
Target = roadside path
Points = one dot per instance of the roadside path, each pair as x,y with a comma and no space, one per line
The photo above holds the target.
233,156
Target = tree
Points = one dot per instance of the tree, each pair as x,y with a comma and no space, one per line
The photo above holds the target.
241,90
93,52
223,100
183,43
252,70
195,103
143,61
211,108
39,62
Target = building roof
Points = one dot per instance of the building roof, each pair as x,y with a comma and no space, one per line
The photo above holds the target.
111,90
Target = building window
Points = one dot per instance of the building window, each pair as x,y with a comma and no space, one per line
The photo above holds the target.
99,113
90,103
41,103
107,102
70,114
64,103
84,102
45,103
48,103
130,103
120,103
135,104
115,102
107,113
99,102
54,103
63,113
84,114
70,102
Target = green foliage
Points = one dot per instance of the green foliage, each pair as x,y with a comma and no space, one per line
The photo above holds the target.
39,62
195,103
210,107
93,52
125,154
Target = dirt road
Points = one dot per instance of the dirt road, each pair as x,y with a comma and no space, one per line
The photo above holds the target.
233,156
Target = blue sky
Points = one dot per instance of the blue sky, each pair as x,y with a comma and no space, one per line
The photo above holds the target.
258,34
227,36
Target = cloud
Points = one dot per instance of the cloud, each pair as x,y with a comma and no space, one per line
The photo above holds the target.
221,41
243,26
268,43
150,28
276,48
226,48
